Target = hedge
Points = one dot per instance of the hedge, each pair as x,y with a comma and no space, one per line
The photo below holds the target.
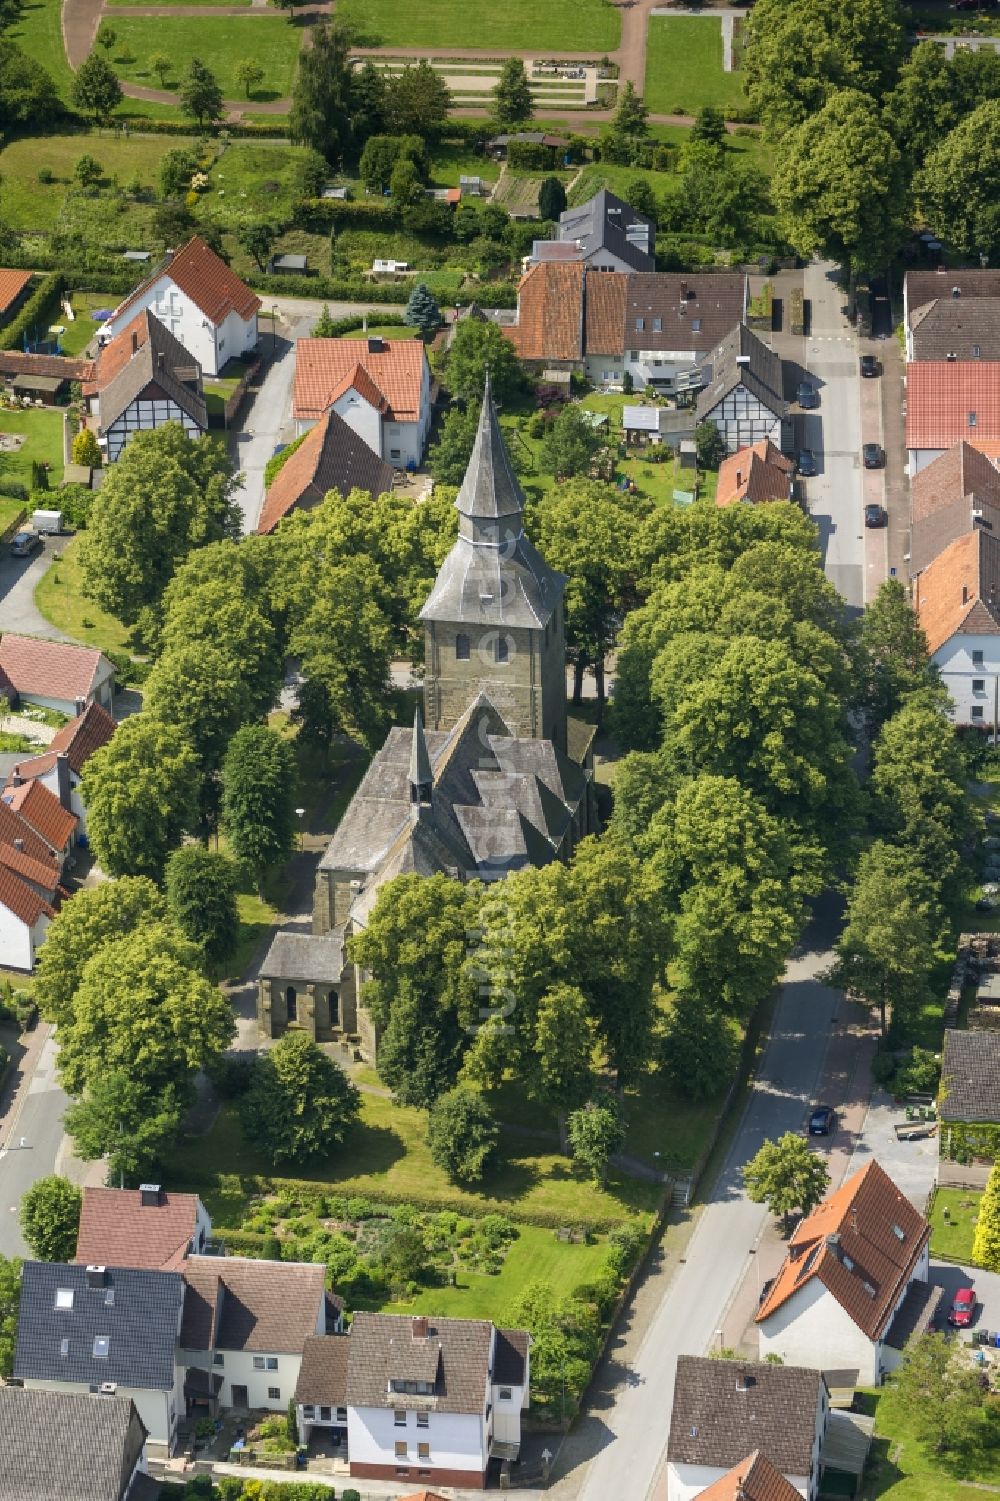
375,212
110,278
143,125
42,302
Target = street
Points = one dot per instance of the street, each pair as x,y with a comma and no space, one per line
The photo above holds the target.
38,1123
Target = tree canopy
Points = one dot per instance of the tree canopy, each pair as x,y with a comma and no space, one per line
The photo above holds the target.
200,95
323,93
96,916
512,103
958,189
201,887
786,1175
476,348
299,1104
96,90
463,1135
141,795
50,1218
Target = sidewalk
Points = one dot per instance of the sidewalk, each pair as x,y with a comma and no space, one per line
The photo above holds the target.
17,1081
846,1083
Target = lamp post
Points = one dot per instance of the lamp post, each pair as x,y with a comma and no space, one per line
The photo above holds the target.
274,325
300,813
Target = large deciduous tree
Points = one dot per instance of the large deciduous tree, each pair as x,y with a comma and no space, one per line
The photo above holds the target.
986,1241
417,101
133,1126
299,1104
785,1175
596,1132
200,95
941,1395
97,915
958,189
344,644
892,655
258,797
141,795
96,90
28,95
512,103
50,1218
201,887
920,787
476,348
463,1135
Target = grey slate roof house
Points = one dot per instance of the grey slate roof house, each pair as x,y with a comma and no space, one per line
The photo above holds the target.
956,328
145,377
742,392
500,778
610,234
969,1097
923,289
62,1446
94,1329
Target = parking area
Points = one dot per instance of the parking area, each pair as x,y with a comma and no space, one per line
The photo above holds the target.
985,1285
912,1165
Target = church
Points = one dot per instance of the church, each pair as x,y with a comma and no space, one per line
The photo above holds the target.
494,775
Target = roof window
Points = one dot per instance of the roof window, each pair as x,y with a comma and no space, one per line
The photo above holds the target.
899,1232
64,1297
972,419
102,1345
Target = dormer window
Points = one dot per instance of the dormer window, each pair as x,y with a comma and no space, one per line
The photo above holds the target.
102,1346
972,419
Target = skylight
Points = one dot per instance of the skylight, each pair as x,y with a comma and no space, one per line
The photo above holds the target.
102,1344
898,1233
64,1297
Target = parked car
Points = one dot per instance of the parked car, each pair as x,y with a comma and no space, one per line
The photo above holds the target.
24,544
807,462
962,1309
984,904
876,516
808,395
823,1121
869,366
874,455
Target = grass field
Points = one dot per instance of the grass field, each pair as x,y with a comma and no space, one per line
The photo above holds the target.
684,66
953,1236
59,596
83,328
30,204
43,432
902,1469
387,1152
257,917
477,23
222,41
38,29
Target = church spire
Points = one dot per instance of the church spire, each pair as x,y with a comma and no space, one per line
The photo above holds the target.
490,500
421,777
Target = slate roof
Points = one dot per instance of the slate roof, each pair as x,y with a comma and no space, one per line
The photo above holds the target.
959,591
332,457
67,1445
862,1243
323,1373
391,377
957,328
146,354
137,1310
602,223
721,1407
949,400
970,1077
204,277
758,473
753,1479
298,956
43,811
85,734
923,287
454,1355
268,1306
50,669
12,284
510,1356
117,1229
723,372
694,312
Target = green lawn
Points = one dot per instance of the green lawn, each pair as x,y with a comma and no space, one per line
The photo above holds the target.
221,41
38,29
901,1469
387,1153
383,331
478,23
257,917
953,1236
30,204
83,328
59,596
536,1256
43,431
11,511
684,66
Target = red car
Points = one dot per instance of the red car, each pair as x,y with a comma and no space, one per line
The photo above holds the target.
963,1308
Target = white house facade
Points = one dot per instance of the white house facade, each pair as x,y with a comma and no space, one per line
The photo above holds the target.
21,934
380,387
970,670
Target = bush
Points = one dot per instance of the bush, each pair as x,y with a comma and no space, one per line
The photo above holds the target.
883,1067
920,1075
46,174
75,502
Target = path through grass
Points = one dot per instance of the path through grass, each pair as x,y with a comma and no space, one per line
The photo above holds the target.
684,66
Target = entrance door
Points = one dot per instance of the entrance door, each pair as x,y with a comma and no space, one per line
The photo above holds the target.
240,1397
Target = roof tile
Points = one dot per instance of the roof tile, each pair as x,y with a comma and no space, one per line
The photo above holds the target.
970,1077
49,669
43,811
265,1305
394,373
721,1407
758,473
204,277
753,1479
332,457
85,734
69,1445
960,590
117,1229
948,400
12,284
21,899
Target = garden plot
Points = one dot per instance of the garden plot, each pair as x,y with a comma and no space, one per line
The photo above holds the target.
564,85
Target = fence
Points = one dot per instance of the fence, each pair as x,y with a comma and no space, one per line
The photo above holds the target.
232,405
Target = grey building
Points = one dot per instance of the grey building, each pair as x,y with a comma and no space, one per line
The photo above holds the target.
609,234
741,392
71,1447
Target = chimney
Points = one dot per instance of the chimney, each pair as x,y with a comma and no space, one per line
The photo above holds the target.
135,342
16,778
96,1276
160,361
19,845
149,1195
376,346
420,1327
80,705
956,291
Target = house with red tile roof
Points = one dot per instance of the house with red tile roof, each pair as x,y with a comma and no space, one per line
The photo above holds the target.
24,918
331,457
853,1288
753,1479
957,602
200,301
55,674
141,1227
144,378
755,474
44,813
380,387
13,290
60,767
949,402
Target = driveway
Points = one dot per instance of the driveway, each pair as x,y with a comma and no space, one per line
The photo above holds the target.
985,1285
19,578
912,1165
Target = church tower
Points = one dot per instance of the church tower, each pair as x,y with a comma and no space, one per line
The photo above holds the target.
494,619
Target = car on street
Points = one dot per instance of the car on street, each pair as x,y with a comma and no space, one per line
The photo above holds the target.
807,462
808,395
823,1121
876,515
24,544
869,366
873,456
963,1308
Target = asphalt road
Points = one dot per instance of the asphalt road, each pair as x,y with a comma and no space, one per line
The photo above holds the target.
18,580
39,1124
629,1437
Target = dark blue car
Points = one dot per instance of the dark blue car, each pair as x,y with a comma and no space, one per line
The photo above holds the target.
822,1121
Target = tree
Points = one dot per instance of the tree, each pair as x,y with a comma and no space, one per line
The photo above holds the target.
201,891
885,952
177,168
422,311
698,1049
344,644
941,1394
325,326
199,94
299,1104
166,495
323,93
107,36
958,188
892,655
710,445
417,101
140,791
28,95
841,187
10,1303
570,444
631,117
162,64
258,797
512,103
551,198
476,348
596,1133
463,1135
986,1241
248,74
143,1006
88,172
709,126
919,782
405,187
785,1175
368,100
640,196
448,457
86,450
50,1218
96,916
257,240
132,1126
96,89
